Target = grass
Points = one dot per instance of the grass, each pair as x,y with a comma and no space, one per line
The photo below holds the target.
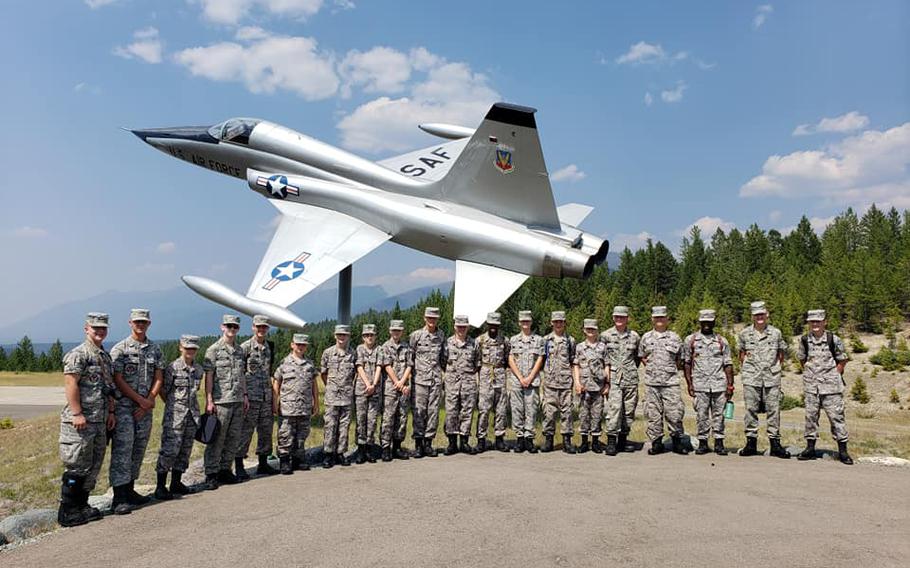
11,379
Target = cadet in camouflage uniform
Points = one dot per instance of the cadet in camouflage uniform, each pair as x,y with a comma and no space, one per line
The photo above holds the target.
494,358
761,353
368,393
559,351
258,353
823,357
660,351
622,376
181,413
589,370
709,376
226,398
429,347
461,367
525,361
138,374
398,361
84,421
338,370
294,396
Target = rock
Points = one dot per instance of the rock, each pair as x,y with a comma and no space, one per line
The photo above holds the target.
101,502
889,461
27,524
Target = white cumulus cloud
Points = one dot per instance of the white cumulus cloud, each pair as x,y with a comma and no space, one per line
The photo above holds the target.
570,174
379,70
233,11
642,52
675,94
146,46
849,122
632,241
761,15
708,226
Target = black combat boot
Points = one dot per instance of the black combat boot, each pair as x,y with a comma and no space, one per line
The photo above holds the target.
452,448
843,455
240,470
547,443
702,448
90,513
226,477
567,446
519,445
428,449
657,447
300,463
583,447
678,447
465,446
481,445
386,453
120,505
809,452
370,451
500,444
530,446
596,446
419,450
342,459
719,448
328,460
177,487
264,468
134,498
285,466
398,452
611,449
211,482
161,491
751,447
777,450
70,514
360,455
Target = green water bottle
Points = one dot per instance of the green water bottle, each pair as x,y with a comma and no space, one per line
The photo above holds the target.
728,410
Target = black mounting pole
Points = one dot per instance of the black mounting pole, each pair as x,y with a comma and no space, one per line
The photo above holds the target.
344,294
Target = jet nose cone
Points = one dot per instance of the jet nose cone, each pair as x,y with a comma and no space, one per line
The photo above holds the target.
194,133
141,134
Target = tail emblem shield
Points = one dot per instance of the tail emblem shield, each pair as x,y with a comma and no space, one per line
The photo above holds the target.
503,160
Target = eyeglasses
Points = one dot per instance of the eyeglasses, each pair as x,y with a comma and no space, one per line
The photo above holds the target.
232,326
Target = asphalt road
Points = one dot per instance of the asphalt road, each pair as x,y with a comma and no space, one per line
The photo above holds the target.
20,403
516,510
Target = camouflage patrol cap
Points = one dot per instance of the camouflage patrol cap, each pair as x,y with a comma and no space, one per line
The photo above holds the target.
301,338
621,311
230,319
558,315
659,311
758,308
524,315
96,319
368,329
816,315
430,312
189,341
342,329
706,315
396,325
494,318
260,320
461,320
590,323
140,314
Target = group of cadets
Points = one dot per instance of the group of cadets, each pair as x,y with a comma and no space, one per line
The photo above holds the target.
112,395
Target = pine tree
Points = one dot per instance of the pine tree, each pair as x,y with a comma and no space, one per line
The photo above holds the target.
55,356
23,357
3,359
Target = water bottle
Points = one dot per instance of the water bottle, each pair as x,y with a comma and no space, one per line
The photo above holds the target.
728,410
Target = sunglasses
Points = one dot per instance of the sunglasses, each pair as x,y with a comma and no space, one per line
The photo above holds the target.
232,326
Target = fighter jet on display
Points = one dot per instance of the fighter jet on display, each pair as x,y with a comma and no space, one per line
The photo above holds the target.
483,199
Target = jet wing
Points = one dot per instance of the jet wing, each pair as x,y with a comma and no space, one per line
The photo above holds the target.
480,289
430,164
310,246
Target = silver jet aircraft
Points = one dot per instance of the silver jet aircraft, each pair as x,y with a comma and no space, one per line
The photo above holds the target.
482,199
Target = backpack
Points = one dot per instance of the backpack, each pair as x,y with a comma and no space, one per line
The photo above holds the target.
720,344
829,338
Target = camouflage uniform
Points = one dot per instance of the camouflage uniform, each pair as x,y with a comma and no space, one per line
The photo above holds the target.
591,359
395,409
137,362
181,413
368,407
494,358
462,364
622,358
82,451
761,374
295,404
524,349
559,351
259,390
663,399
228,367
429,352
708,355
340,367
823,385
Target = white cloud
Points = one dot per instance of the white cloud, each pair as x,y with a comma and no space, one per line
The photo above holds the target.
761,15
570,174
818,224
266,64
871,167
844,123
379,70
230,12
642,52
251,33
708,226
649,100
675,94
704,65
28,232
620,241
147,46
95,4
83,87
425,276
166,247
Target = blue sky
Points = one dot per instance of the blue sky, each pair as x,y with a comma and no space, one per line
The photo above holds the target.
660,115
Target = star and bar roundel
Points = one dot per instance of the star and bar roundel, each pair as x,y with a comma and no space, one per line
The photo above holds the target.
287,270
277,186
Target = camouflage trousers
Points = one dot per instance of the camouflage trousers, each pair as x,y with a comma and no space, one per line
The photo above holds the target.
258,418
834,408
754,397
292,434
664,403
337,422
709,414
177,437
460,405
491,400
82,451
621,404
557,400
426,410
220,452
590,412
394,417
131,438
368,411
523,403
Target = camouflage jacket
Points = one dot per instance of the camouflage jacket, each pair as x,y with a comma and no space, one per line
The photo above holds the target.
93,366
494,360
369,359
181,383
622,356
462,364
663,351
761,366
820,375
258,360
524,350
340,367
708,355
591,359
228,367
137,362
295,393
559,352
399,356
429,354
